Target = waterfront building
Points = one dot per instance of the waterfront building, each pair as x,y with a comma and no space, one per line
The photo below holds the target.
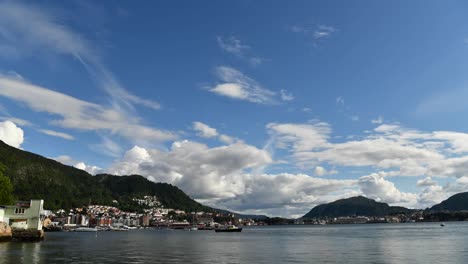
24,215
2,213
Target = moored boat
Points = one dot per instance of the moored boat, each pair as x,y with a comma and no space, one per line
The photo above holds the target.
85,229
229,229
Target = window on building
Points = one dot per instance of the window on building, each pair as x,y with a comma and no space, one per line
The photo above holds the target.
19,210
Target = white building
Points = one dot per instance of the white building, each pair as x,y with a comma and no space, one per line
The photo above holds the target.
2,213
24,215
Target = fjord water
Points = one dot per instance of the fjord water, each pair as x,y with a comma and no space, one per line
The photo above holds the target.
372,243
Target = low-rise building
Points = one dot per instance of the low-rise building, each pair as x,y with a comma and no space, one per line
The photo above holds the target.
2,213
24,215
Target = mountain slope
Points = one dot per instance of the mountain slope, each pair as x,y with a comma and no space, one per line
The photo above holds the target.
457,202
354,206
62,186
136,185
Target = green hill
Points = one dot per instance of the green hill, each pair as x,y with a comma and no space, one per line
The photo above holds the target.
354,206
457,202
62,186
138,186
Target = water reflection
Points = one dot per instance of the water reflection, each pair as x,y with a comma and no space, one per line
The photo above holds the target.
404,243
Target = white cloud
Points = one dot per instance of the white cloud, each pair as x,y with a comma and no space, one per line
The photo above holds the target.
201,171
321,171
374,186
285,96
18,121
43,31
204,130
11,134
78,114
67,160
57,134
231,90
107,147
458,141
232,45
379,120
238,86
323,31
317,32
300,136
93,170
340,100
227,139
64,159
224,177
428,181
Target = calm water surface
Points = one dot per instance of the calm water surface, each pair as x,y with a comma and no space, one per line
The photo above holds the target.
379,243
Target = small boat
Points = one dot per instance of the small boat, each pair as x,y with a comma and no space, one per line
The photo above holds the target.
85,229
229,229
442,224
180,225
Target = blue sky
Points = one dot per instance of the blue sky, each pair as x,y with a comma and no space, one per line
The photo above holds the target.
255,106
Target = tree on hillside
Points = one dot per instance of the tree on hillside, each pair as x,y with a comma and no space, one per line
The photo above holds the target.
6,188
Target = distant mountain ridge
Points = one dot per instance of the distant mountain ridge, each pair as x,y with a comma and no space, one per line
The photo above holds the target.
354,206
457,202
62,186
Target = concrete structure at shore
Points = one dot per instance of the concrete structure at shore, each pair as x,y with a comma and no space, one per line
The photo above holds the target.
24,215
23,220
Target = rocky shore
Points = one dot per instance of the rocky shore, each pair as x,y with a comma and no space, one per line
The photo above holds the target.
14,234
27,235
5,232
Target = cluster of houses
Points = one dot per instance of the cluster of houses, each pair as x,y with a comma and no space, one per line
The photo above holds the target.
154,215
416,216
30,215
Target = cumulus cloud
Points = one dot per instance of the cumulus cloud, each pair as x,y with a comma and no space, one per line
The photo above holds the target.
67,160
93,170
238,86
201,171
428,181
225,177
389,146
376,187
11,134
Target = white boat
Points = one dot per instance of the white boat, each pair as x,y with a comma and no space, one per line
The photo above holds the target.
85,229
